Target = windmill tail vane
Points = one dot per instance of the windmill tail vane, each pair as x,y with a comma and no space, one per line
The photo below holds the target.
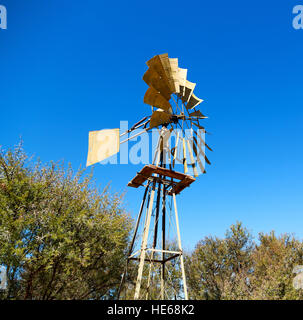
173,111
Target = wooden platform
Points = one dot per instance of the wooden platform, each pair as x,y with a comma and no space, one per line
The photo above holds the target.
147,172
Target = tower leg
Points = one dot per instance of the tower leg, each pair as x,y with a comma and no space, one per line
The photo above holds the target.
144,244
133,240
163,244
155,238
180,248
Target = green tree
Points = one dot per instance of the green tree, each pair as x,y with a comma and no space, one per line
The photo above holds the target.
274,260
219,268
236,268
60,238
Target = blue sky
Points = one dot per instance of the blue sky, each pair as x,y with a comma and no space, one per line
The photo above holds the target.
68,67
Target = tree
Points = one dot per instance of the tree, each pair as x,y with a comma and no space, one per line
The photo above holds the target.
274,260
60,237
236,268
219,268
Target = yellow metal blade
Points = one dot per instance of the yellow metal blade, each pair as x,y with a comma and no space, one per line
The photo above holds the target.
175,73
201,151
198,125
192,159
184,157
197,113
198,158
182,80
203,142
162,66
155,80
159,117
188,90
176,149
154,98
193,102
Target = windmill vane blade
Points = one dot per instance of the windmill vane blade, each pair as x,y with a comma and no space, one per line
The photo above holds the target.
155,99
200,150
202,141
197,114
162,66
192,159
182,80
175,74
199,126
188,90
184,157
193,102
159,117
153,79
176,149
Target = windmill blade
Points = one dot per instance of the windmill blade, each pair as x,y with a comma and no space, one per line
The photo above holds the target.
176,149
198,125
102,144
175,73
193,102
201,151
192,159
202,141
197,114
162,66
155,99
184,157
155,80
198,159
188,90
182,80
159,117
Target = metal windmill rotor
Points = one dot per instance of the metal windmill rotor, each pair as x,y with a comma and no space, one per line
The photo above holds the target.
174,106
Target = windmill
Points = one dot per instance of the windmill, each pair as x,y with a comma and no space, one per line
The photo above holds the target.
173,112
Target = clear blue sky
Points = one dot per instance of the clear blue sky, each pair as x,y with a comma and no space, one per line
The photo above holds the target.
68,67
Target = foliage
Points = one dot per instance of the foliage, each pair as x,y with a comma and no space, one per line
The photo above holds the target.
216,267
236,268
60,238
274,261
